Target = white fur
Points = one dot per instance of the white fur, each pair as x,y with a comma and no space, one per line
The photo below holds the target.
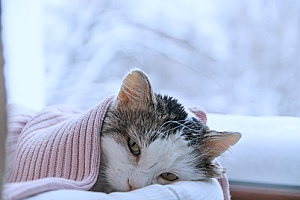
170,155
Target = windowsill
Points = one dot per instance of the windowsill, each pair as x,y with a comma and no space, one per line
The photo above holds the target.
244,191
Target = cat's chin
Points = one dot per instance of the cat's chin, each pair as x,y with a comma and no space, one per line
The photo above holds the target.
109,189
105,190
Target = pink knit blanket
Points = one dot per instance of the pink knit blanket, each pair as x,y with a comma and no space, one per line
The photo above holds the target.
57,148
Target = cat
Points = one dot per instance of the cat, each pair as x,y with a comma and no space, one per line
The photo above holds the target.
148,138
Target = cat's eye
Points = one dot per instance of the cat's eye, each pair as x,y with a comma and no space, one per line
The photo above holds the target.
133,147
169,176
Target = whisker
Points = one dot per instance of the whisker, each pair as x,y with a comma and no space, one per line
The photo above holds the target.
181,126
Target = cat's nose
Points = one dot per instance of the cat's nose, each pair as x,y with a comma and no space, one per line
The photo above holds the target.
131,186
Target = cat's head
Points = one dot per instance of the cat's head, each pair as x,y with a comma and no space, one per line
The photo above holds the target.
152,139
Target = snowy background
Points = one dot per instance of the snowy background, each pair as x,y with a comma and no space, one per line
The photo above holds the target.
235,57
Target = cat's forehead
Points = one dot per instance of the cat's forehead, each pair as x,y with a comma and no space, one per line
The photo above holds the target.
147,124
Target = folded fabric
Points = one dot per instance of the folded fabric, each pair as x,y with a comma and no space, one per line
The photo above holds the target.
57,148
182,190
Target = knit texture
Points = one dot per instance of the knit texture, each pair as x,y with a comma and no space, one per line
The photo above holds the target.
57,148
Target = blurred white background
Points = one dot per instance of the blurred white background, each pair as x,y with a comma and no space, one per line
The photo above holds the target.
232,57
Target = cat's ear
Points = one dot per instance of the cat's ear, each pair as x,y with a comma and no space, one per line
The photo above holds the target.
217,143
199,113
136,91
